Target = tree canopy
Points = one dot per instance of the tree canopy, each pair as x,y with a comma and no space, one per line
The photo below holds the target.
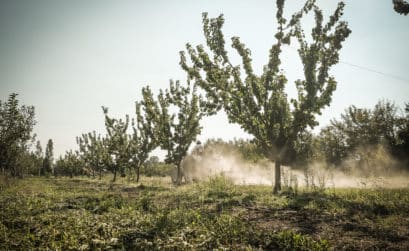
401,6
258,103
364,128
176,112
117,143
16,126
143,139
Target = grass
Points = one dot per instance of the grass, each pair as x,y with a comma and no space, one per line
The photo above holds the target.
91,214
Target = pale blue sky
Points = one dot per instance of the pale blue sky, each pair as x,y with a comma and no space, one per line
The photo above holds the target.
67,58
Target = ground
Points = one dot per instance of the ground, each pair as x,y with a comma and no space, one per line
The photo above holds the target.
91,214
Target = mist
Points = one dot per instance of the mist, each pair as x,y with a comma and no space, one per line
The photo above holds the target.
367,167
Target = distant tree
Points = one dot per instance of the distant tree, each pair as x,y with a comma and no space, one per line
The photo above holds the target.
38,157
16,126
143,140
26,163
48,158
259,104
248,150
361,127
30,160
152,161
70,164
332,144
176,112
402,145
118,144
93,152
401,6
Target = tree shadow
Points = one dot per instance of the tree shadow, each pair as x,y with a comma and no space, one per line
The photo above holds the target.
332,217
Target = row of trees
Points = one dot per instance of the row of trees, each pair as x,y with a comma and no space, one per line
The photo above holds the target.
358,139
361,129
357,134
16,139
169,120
258,103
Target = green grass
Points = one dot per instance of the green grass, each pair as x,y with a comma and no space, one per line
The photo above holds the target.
92,214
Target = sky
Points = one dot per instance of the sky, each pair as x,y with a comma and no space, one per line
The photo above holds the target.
69,58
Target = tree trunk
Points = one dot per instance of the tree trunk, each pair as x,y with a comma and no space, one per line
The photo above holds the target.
277,183
179,175
137,174
114,175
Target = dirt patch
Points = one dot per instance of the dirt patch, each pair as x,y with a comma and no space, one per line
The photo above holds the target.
341,230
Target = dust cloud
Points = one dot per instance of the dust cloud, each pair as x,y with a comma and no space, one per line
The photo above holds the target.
369,167
221,160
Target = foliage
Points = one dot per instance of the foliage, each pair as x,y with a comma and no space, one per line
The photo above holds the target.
176,130
93,152
118,150
16,126
245,148
143,140
401,6
38,158
48,159
117,143
401,150
360,129
259,104
69,165
154,167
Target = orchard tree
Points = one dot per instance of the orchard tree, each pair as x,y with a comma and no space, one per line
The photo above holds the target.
402,147
48,158
332,144
38,157
361,128
143,140
16,126
117,143
387,122
93,152
71,164
176,112
258,103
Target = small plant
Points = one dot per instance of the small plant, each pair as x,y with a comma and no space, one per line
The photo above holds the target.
288,240
145,203
220,187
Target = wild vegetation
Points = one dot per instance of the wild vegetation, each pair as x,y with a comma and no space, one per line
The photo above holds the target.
93,214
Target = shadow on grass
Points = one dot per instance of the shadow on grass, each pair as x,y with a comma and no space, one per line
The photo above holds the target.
339,219
144,188
323,201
